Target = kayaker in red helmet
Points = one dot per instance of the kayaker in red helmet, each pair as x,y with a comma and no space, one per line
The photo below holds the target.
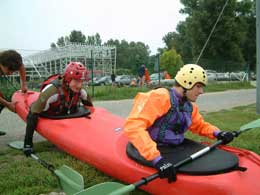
162,116
61,96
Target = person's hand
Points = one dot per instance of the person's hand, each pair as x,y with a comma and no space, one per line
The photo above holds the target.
28,150
166,170
225,136
11,106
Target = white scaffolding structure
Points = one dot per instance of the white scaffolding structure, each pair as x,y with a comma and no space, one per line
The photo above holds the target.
53,61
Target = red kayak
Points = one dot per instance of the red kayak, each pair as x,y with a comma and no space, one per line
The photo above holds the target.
99,141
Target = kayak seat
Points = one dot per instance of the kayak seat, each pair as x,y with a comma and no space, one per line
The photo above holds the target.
82,112
215,162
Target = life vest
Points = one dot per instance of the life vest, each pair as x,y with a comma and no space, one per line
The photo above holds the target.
65,104
170,128
67,101
50,80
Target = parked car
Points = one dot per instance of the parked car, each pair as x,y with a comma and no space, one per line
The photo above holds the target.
155,80
237,76
123,79
105,80
223,76
212,75
155,76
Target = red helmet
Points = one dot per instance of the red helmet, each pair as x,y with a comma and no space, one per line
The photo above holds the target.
75,70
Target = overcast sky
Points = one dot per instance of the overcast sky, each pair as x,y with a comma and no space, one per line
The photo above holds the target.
34,24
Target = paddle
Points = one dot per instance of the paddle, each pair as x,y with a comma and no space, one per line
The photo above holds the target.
70,180
114,188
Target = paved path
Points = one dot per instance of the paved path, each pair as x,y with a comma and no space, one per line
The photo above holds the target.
209,102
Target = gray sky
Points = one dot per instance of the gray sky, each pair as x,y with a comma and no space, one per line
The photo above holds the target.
34,24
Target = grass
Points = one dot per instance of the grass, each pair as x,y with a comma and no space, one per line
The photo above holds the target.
118,93
20,175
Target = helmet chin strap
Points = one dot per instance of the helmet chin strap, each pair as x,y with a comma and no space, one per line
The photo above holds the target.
184,97
67,87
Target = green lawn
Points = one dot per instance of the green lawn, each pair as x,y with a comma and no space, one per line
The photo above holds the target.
20,175
118,93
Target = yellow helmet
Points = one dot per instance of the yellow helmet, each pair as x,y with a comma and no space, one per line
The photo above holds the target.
190,74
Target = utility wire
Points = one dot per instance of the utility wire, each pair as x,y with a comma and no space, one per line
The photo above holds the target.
212,30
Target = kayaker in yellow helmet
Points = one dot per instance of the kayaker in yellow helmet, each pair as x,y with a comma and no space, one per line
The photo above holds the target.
162,116
60,96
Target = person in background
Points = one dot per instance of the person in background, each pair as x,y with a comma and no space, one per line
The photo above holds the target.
61,96
166,75
10,62
113,79
133,83
147,77
141,77
162,116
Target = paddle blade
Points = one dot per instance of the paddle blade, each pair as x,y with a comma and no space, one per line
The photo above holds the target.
16,145
108,188
70,180
251,125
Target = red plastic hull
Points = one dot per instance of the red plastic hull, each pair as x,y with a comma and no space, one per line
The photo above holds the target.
99,141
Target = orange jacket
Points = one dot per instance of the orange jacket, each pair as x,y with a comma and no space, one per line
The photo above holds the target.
147,108
147,76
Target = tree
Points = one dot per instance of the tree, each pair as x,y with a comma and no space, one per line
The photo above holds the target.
169,39
247,15
232,40
53,46
61,42
130,55
171,61
94,40
74,37
77,37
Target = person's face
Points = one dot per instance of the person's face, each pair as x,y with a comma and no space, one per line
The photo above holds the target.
194,92
76,85
5,70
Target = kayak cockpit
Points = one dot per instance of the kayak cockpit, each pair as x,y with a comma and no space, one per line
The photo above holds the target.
82,112
215,162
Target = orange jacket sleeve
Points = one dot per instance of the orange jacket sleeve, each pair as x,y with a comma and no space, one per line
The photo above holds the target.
146,109
199,126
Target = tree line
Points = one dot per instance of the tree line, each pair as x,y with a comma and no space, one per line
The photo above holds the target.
231,47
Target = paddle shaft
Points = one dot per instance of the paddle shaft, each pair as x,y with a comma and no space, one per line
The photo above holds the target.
187,160
43,163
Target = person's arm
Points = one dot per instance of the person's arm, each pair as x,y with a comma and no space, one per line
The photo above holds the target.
206,129
22,74
85,98
39,105
147,108
199,126
7,104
